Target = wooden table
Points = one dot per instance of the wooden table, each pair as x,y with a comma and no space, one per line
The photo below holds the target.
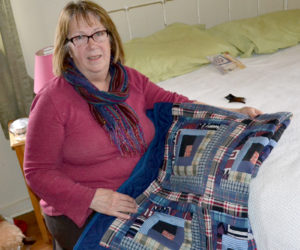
19,147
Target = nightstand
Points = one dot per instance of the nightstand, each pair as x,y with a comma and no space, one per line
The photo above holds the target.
19,147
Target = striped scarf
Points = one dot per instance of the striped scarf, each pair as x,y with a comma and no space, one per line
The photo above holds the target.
109,108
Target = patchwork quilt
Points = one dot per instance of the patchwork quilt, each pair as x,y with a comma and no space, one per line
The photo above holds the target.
192,184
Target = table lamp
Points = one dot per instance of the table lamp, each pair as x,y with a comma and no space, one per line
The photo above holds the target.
42,68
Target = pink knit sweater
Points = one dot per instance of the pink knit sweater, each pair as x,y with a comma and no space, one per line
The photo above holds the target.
68,155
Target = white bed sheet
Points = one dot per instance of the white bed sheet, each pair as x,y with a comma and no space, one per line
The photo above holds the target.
270,83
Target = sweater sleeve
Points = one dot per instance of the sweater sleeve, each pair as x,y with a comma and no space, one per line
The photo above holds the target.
44,160
153,93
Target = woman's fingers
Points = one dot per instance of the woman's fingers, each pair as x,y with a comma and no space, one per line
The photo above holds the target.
121,215
113,203
252,112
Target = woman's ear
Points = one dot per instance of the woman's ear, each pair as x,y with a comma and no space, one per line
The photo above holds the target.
68,51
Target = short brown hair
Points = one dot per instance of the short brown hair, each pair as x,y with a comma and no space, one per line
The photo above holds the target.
82,9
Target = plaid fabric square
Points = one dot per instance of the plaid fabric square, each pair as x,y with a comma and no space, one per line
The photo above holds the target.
188,237
128,243
210,157
112,231
197,227
149,242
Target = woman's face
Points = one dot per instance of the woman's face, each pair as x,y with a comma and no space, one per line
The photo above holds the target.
91,58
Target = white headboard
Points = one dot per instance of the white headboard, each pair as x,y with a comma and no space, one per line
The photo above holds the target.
159,13
126,9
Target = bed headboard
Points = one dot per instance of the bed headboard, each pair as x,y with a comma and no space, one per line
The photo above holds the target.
135,18
133,15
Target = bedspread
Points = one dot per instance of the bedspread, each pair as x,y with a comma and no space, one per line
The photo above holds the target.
192,184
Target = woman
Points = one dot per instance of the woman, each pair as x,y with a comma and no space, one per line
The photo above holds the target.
88,128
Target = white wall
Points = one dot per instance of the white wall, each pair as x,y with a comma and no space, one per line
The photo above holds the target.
13,193
36,21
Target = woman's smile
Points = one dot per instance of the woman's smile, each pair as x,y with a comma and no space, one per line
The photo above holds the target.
94,58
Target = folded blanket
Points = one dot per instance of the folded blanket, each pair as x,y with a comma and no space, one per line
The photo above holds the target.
192,184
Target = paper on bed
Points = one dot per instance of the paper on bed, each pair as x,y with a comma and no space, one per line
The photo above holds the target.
226,63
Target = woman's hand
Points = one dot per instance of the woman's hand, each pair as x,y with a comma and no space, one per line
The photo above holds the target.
113,203
250,111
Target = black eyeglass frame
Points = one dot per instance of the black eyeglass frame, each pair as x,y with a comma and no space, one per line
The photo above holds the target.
88,37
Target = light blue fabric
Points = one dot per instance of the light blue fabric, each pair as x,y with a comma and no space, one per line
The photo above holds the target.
172,244
232,243
187,160
156,217
261,140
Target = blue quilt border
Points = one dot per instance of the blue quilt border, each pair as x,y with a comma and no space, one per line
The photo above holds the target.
143,174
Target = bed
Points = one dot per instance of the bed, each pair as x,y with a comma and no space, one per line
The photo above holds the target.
269,47
270,83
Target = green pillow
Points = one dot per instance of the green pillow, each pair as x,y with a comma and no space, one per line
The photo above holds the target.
262,34
175,50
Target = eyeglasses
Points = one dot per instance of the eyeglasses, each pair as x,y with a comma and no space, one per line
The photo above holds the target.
99,37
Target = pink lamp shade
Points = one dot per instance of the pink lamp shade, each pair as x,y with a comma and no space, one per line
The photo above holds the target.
42,68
